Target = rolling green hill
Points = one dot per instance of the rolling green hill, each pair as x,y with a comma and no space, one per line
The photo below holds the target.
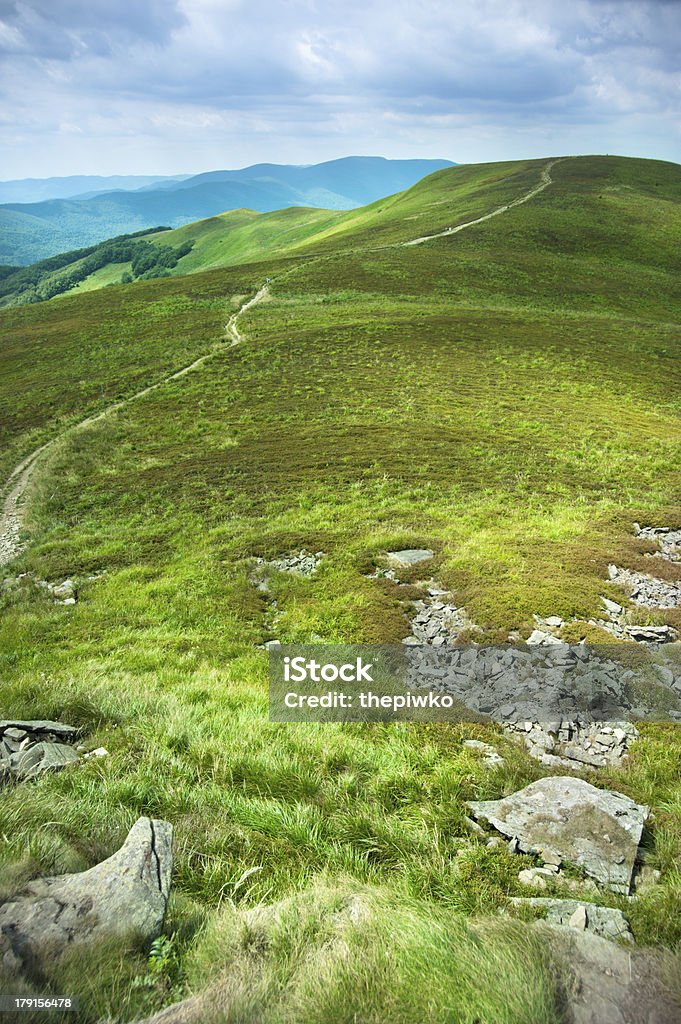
507,396
38,230
631,205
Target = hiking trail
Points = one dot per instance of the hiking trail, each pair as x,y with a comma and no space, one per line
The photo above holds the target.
17,482
544,183
11,519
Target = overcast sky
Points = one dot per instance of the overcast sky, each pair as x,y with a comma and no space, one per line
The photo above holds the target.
163,86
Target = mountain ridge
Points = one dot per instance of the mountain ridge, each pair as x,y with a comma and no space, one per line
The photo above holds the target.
33,231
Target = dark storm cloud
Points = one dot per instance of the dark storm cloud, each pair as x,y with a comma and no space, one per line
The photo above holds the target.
296,71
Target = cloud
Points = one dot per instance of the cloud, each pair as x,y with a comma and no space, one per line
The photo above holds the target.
271,78
69,29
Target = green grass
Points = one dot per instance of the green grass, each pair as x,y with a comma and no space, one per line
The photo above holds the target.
508,397
110,274
242,236
342,954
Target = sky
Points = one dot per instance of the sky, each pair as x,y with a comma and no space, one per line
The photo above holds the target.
182,86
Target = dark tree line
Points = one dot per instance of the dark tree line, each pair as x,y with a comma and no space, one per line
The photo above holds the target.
41,280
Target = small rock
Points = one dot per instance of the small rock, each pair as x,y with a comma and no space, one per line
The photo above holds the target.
409,556
65,591
97,752
579,919
540,636
612,606
536,877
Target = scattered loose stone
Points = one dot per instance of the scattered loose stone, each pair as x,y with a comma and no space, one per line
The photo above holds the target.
65,592
646,590
546,683
571,820
27,749
668,541
300,563
607,922
574,745
438,623
124,895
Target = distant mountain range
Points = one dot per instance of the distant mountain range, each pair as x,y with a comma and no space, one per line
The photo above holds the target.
35,230
82,186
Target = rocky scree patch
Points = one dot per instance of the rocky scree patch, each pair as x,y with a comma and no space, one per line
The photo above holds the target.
29,748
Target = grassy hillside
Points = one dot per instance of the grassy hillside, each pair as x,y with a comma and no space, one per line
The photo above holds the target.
631,207
507,396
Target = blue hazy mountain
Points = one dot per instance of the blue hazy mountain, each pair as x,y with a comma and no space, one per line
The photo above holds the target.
37,190
34,231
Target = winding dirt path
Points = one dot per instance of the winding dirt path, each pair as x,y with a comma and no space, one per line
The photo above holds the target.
231,327
544,182
11,518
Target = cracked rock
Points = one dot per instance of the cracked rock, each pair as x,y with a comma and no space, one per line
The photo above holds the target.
125,895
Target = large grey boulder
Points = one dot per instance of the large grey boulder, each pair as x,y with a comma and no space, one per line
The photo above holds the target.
567,819
125,895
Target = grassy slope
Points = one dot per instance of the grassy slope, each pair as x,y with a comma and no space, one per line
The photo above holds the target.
507,396
635,210
242,236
